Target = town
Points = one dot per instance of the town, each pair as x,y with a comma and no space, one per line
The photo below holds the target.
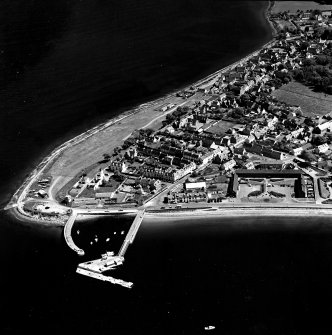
229,140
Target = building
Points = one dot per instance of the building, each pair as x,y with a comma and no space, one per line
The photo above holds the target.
325,125
323,148
195,186
119,166
229,164
153,184
299,186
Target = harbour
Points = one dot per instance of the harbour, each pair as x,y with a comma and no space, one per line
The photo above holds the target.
108,261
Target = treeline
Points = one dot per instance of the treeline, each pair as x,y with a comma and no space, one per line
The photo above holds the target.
317,72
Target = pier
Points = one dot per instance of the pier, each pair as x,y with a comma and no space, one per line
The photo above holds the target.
67,233
131,233
104,278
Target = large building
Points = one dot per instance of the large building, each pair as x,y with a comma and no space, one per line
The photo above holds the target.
299,185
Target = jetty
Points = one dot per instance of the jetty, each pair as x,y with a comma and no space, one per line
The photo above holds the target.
109,261
67,234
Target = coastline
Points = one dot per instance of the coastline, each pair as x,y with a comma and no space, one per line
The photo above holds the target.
244,212
48,161
267,16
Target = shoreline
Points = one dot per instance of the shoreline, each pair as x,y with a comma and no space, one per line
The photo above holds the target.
17,198
193,213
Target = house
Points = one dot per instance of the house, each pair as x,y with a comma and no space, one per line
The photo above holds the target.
169,130
249,165
271,166
325,125
239,152
119,166
229,165
267,152
322,148
131,153
326,13
296,151
104,195
153,184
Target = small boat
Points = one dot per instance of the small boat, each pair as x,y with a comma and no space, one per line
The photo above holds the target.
91,242
107,240
115,233
122,232
209,327
78,232
96,239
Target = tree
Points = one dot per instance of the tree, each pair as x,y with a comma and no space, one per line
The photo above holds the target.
309,62
317,131
308,156
309,122
299,113
318,140
149,131
298,74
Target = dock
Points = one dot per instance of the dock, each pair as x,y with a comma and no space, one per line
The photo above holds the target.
68,237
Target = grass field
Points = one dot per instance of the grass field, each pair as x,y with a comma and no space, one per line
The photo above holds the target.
293,6
221,127
282,24
311,102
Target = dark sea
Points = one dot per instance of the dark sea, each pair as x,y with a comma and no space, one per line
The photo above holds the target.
67,65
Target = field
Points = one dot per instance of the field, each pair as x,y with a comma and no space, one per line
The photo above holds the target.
221,127
311,102
282,24
293,6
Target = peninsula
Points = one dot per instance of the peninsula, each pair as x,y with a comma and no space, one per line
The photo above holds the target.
245,139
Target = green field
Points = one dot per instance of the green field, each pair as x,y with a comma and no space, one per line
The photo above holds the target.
311,102
293,6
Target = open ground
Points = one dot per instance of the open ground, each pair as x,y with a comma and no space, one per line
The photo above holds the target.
311,102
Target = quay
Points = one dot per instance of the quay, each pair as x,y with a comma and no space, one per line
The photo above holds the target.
67,233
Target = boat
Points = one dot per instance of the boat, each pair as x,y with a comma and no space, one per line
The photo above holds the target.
209,327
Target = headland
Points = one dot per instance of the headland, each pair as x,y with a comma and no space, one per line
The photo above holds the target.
222,145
